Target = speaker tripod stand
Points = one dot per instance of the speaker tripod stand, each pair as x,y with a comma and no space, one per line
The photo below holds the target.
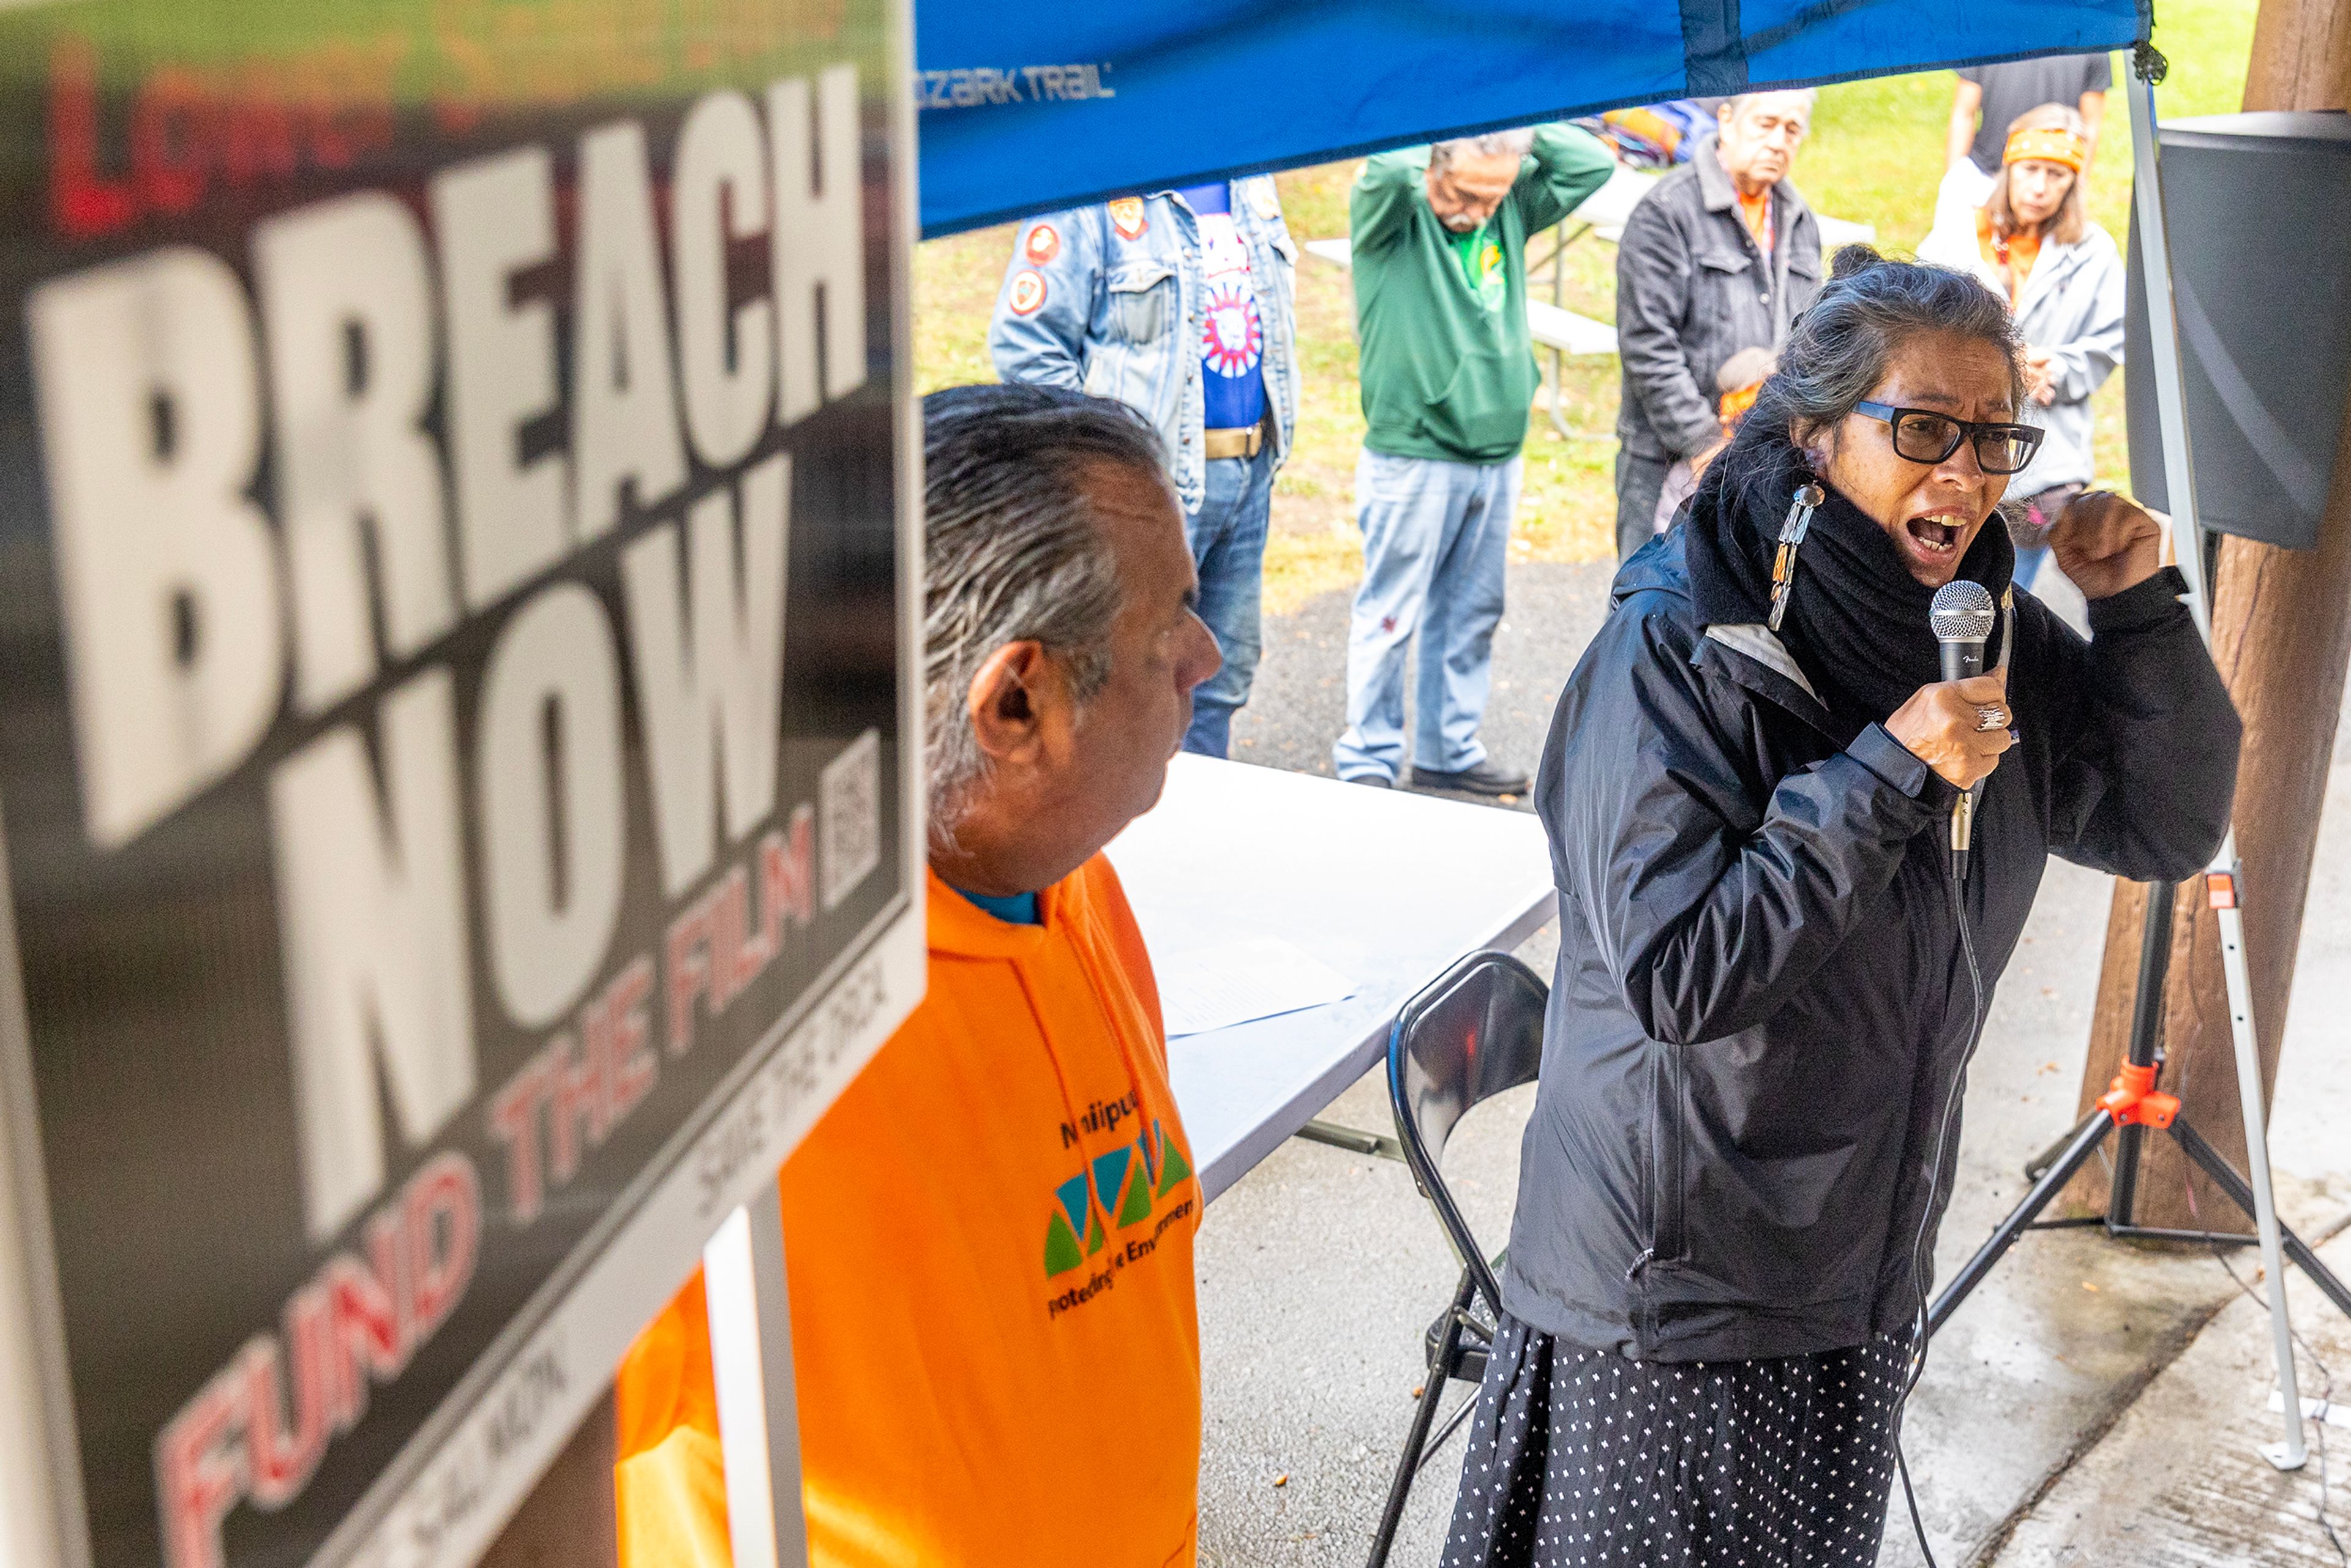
2131,1109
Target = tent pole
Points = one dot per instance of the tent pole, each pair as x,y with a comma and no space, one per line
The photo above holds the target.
2152,259
751,1363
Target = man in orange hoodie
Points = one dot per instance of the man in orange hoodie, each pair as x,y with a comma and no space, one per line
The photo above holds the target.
989,1237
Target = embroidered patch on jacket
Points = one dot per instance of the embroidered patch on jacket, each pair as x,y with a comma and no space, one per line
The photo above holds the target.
1043,245
1126,217
1028,291
1232,334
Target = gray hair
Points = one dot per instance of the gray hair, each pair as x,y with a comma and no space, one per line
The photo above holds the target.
1837,353
1493,144
1011,553
1737,103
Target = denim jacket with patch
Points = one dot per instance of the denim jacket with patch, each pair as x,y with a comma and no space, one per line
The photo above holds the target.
1109,299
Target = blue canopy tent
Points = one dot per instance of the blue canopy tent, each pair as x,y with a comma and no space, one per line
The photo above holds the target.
1059,102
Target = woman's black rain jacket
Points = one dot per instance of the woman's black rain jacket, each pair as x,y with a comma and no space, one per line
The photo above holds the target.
1763,1004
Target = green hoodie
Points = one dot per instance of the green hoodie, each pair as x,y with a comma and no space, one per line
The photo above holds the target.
1448,371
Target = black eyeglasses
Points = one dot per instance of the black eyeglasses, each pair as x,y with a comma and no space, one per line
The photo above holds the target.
1925,436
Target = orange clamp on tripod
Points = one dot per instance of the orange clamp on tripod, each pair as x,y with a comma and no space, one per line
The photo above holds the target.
2131,1099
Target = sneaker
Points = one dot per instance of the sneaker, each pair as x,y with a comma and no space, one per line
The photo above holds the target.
1486,779
1376,780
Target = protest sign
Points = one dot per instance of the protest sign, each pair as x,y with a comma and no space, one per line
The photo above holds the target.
456,718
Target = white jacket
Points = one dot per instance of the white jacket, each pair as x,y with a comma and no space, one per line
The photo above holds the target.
2071,306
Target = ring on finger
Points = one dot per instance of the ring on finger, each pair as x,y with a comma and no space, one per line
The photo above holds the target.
1991,717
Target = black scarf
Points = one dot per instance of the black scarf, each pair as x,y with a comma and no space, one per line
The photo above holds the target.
1857,619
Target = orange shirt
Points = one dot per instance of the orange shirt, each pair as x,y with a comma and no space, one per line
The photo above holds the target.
669,1483
2011,255
988,1240
1757,211
1735,405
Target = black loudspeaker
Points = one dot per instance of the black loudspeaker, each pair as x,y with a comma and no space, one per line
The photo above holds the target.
2259,209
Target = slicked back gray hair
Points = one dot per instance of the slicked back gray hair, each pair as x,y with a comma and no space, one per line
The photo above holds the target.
1013,554
1493,144
1738,102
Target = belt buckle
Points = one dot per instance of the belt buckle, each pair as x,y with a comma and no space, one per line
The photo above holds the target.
1230,443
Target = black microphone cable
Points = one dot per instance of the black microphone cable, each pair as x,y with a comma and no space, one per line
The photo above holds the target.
1963,617
1934,1185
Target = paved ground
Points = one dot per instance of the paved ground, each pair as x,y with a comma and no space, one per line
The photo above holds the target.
2180,1482
2079,1365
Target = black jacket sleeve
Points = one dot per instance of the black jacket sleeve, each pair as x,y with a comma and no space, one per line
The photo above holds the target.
2143,753
1707,913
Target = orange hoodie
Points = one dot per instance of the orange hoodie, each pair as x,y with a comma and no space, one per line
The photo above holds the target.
988,1240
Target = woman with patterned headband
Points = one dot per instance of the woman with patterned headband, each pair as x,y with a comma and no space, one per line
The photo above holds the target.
2032,242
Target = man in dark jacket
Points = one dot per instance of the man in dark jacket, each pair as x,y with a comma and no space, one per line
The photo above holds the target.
1720,256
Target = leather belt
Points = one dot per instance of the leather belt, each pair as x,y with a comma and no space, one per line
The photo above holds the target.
1233,443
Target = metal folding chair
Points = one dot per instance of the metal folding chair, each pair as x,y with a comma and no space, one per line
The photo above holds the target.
1474,1032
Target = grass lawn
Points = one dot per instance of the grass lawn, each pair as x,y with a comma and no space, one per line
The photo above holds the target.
1875,155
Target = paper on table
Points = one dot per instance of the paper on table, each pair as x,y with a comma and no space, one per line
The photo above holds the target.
1230,982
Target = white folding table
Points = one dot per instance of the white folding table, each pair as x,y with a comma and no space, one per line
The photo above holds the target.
1387,887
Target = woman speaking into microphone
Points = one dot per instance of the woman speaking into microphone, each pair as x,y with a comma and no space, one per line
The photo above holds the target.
1770,976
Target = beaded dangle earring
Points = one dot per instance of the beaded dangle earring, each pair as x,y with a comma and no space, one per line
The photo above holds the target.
1792,534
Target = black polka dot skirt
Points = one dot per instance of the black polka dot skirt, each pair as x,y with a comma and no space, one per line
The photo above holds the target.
1580,1458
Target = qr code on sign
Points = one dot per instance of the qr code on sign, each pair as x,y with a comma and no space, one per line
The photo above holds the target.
849,824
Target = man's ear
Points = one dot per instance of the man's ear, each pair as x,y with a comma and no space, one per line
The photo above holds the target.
1006,694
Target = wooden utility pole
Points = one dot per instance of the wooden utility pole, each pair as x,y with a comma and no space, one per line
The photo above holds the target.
2280,635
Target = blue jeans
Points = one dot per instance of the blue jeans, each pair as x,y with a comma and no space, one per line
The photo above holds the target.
1436,539
1228,540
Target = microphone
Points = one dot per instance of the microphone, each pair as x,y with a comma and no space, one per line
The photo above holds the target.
1962,618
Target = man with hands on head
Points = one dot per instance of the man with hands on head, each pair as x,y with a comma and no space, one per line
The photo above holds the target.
1439,237
964,1366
